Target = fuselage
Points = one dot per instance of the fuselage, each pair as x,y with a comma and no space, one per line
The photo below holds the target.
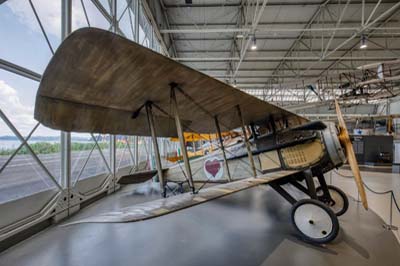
318,150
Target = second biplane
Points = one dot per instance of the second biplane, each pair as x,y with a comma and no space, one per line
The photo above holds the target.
101,82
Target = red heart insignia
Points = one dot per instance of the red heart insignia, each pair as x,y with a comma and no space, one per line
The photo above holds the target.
213,167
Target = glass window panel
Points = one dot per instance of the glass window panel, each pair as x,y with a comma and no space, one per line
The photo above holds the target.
124,154
49,13
106,5
145,29
122,7
17,182
142,36
78,14
95,166
8,143
81,146
23,43
156,44
96,19
46,144
23,175
144,149
17,100
127,24
86,158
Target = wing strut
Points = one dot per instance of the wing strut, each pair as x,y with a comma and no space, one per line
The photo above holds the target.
246,141
150,120
181,136
221,142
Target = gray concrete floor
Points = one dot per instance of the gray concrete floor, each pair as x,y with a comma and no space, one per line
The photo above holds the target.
251,227
378,182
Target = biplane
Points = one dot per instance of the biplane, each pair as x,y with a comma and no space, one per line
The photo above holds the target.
100,82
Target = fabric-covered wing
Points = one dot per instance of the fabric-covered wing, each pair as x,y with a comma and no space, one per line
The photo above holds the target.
163,206
96,80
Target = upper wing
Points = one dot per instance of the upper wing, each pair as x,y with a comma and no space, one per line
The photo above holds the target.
160,207
96,80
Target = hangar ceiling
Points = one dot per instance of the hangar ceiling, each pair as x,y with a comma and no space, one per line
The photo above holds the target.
299,43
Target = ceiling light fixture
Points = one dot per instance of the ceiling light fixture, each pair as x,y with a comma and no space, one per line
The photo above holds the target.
363,43
253,44
234,83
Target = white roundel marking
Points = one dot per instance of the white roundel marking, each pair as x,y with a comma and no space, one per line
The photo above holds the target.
313,221
213,168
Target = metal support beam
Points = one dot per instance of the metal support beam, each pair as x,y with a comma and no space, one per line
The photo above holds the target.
114,19
273,30
221,141
66,19
308,50
279,58
223,37
365,27
181,137
136,12
296,4
295,23
337,28
363,13
150,120
301,35
154,25
113,139
243,51
386,20
234,46
372,12
171,37
24,72
246,141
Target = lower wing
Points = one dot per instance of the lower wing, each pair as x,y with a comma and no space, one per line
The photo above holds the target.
172,204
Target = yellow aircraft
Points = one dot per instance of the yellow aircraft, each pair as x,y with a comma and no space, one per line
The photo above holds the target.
199,144
101,82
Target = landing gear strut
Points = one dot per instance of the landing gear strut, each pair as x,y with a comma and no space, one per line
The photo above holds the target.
337,199
316,218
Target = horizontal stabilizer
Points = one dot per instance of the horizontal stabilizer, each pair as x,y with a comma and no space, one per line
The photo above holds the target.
137,177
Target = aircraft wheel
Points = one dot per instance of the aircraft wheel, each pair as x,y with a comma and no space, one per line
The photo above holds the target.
339,203
315,221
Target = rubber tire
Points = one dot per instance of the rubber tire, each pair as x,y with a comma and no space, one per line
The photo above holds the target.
335,222
344,198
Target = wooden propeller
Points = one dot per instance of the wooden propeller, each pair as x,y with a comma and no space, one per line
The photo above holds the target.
351,157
